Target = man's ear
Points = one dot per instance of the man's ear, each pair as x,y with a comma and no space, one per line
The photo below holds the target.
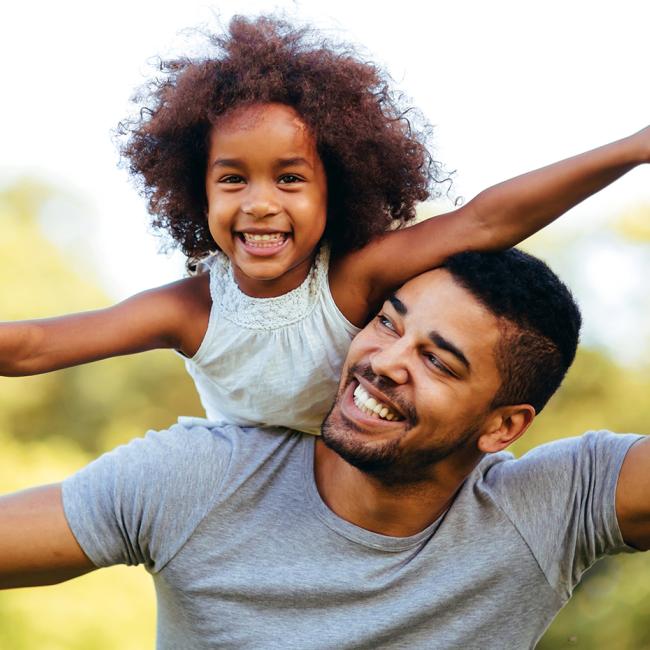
504,425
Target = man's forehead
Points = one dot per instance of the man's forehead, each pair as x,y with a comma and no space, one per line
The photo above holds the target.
436,301
436,285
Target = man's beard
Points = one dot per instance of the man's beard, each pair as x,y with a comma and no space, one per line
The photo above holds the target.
388,461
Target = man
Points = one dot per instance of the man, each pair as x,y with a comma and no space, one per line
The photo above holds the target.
404,526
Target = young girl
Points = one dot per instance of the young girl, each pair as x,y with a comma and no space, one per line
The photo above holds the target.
282,163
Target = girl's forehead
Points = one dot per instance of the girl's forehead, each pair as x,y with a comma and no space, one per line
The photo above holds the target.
272,125
251,116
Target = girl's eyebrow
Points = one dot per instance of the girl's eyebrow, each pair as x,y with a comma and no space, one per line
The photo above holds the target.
227,162
281,162
297,160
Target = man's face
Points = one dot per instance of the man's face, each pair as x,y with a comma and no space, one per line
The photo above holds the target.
417,383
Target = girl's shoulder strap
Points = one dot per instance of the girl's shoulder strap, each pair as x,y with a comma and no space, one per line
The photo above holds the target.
217,265
319,272
205,264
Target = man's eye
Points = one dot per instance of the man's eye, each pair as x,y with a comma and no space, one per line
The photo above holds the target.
289,178
232,178
434,361
385,322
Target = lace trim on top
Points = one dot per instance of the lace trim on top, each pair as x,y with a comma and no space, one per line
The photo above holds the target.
263,313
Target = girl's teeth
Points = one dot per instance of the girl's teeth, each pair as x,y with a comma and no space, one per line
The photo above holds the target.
264,240
370,406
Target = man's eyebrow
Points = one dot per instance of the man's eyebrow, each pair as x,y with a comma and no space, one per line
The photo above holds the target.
398,305
444,344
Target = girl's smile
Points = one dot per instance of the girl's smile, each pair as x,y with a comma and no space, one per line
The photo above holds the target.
267,197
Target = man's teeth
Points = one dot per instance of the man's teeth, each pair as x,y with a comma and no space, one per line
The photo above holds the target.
370,406
266,240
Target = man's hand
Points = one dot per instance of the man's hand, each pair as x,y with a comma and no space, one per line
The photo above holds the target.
36,544
633,494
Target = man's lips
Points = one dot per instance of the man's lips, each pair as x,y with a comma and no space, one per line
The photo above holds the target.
351,410
380,397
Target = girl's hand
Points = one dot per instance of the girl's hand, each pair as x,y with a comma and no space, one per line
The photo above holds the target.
642,140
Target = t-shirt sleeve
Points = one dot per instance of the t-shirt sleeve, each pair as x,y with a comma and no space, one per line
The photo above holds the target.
561,498
139,503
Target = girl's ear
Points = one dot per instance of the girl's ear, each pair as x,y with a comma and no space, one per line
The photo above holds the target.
505,425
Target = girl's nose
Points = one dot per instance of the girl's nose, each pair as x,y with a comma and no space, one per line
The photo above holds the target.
391,361
260,205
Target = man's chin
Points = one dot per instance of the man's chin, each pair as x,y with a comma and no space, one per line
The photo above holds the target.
344,438
386,460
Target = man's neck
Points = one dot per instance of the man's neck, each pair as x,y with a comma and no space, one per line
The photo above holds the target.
396,511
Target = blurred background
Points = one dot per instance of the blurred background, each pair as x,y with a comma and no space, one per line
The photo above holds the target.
509,86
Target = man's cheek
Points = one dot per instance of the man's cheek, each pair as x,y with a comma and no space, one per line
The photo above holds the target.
346,376
360,348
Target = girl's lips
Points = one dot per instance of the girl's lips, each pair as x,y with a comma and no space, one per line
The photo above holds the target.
262,248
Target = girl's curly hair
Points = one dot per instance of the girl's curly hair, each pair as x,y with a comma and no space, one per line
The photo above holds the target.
375,158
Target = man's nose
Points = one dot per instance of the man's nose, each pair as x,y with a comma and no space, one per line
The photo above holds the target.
260,203
391,361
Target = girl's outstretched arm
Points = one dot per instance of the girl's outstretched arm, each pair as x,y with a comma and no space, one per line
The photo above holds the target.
497,218
173,316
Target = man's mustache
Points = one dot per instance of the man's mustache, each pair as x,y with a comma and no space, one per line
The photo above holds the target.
388,387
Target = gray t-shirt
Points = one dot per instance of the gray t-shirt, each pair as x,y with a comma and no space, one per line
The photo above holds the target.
245,554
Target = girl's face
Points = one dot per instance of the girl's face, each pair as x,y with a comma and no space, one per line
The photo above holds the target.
267,197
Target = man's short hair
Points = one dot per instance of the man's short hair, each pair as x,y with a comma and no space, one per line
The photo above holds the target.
540,321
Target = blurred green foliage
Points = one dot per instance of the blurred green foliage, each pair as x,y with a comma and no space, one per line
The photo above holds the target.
53,424
87,404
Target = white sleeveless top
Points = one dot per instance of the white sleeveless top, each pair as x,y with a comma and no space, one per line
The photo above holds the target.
271,361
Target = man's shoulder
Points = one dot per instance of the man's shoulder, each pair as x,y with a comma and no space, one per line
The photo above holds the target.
555,456
200,443
548,475
560,497
193,460
155,490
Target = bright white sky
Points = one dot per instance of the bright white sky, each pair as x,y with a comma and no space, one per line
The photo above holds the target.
510,86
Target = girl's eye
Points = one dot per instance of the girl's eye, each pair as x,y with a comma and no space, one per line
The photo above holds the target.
289,178
232,178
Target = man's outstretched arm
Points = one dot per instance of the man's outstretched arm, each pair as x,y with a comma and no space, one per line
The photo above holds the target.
37,546
633,496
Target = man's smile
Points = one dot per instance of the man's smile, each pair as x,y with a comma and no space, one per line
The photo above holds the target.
366,406
374,407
